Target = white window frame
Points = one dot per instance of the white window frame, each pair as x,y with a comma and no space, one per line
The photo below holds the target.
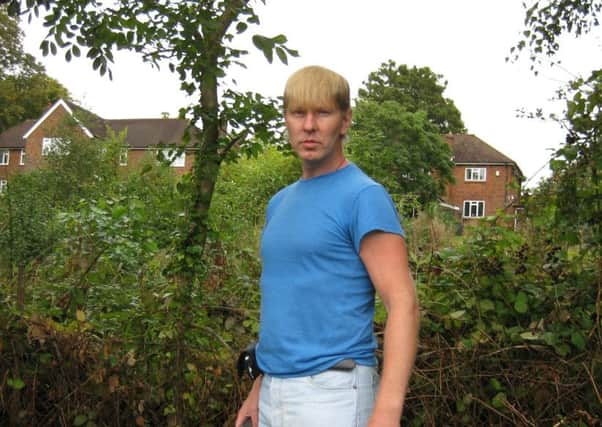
4,157
23,157
176,160
475,174
123,157
49,144
470,204
3,185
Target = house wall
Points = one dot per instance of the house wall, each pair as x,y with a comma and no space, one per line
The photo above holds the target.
33,146
137,157
6,171
47,129
496,191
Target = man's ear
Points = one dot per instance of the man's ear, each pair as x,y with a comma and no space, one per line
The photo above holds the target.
346,121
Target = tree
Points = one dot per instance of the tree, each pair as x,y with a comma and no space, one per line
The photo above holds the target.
195,40
25,97
401,149
25,89
577,165
13,60
546,21
415,89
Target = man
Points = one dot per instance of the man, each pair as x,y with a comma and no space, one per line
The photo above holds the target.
330,241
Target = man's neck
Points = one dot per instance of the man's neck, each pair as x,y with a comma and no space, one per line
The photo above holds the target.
312,170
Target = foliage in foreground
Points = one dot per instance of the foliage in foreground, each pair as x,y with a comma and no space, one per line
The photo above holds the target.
510,331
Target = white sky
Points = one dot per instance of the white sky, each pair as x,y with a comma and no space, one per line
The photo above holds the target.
466,41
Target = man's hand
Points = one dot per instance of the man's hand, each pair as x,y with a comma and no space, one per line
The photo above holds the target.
250,407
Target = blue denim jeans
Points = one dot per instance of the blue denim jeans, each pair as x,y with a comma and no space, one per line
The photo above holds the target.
329,399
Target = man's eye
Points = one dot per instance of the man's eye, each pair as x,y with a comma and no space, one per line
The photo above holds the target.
324,113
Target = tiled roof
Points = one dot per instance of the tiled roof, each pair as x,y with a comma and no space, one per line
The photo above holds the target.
470,149
95,124
142,133
13,136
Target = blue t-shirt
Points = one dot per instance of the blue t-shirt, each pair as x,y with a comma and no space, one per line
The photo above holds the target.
317,300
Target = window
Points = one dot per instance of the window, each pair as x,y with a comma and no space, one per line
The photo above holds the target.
475,174
4,157
49,144
177,160
23,157
474,209
3,185
123,157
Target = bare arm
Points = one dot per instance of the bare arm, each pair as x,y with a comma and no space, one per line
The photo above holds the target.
385,258
250,407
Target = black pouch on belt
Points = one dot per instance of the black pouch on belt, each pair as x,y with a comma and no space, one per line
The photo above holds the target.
247,362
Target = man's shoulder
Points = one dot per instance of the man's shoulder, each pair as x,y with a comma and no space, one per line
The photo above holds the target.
358,180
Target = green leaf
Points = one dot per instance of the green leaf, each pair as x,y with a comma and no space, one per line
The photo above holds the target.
457,314
279,39
15,383
241,27
562,349
499,400
496,384
265,45
80,420
259,41
530,336
521,304
282,55
578,340
486,305
97,62
44,47
119,211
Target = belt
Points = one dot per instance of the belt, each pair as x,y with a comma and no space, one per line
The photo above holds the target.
344,365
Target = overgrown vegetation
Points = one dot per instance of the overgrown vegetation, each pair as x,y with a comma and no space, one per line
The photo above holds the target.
510,331
94,322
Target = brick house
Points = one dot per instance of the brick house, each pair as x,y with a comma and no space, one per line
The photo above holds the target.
486,180
23,146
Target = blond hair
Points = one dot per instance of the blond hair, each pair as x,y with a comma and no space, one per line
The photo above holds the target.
315,87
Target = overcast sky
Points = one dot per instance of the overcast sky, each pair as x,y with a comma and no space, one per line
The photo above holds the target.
466,41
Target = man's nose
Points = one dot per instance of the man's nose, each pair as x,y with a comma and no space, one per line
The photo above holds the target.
309,121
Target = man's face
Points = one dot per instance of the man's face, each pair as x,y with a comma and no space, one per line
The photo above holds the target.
316,133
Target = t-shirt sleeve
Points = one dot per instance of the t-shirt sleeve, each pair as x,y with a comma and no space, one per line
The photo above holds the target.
374,210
